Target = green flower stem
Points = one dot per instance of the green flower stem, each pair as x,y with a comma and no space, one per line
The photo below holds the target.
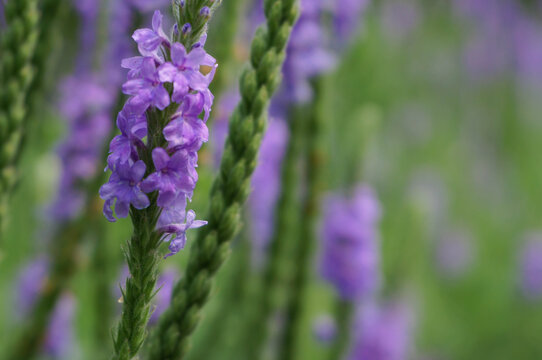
344,311
276,275
314,159
232,185
17,47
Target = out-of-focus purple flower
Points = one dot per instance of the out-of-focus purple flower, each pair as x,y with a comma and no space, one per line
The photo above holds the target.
30,283
88,11
266,186
325,329
454,253
531,267
220,125
124,187
347,17
382,332
350,249
58,340
174,173
307,55
400,18
163,298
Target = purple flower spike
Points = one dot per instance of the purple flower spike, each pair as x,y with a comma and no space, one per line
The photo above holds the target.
170,176
163,297
123,185
350,256
148,41
133,127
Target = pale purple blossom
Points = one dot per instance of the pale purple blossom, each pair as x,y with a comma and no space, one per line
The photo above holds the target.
350,247
454,253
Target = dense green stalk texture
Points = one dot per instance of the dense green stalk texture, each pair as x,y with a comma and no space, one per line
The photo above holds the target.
344,310
231,186
306,240
17,47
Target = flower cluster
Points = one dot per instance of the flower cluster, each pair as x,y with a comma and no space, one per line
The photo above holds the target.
382,331
350,255
166,81
58,342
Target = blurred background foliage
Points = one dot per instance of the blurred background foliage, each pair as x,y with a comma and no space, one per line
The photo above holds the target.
453,153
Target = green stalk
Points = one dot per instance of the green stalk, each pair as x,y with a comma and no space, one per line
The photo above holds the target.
304,246
231,186
344,311
17,48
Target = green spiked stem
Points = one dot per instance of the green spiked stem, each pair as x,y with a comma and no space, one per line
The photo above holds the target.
232,185
304,246
17,47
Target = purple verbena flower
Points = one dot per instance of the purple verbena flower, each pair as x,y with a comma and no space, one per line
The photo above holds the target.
124,186
176,232
349,254
147,88
165,284
149,40
170,176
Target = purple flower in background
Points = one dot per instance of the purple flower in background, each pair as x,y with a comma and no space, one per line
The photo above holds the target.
454,254
400,18
325,329
223,112
349,253
163,298
531,267
307,55
266,187
382,332
124,186
58,340
347,17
